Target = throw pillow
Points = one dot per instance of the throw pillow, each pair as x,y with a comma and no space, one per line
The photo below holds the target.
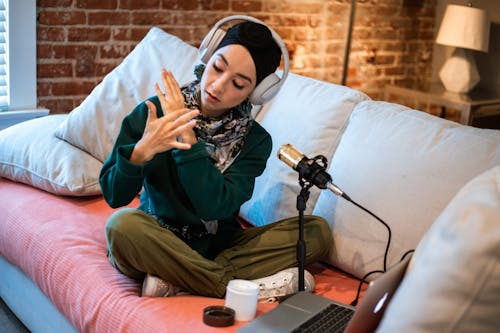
454,281
404,166
94,125
310,115
31,154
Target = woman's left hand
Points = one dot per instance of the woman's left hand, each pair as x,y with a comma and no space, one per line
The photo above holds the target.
173,100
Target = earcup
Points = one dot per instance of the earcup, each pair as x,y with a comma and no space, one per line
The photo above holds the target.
265,90
210,43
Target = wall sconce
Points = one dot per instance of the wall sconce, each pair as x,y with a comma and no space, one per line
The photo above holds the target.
466,28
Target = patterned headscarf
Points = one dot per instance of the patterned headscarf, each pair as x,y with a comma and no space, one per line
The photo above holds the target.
224,137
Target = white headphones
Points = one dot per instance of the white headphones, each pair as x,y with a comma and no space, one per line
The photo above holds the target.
271,84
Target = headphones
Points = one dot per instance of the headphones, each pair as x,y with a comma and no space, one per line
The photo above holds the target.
271,84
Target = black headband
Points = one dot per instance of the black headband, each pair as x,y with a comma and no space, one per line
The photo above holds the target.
258,40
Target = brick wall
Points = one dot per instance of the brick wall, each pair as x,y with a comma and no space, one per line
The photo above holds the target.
79,41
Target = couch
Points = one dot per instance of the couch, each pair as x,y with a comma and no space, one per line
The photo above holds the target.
434,182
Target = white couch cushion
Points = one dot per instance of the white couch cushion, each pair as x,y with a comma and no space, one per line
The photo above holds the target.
310,115
94,125
454,281
404,166
31,154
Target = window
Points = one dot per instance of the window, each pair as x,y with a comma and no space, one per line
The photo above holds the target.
4,98
17,55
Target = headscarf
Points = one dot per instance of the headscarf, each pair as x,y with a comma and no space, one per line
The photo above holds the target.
258,40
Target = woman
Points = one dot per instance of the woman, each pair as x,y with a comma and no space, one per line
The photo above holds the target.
195,153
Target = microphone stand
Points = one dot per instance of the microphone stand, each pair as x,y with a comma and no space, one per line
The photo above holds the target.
305,185
301,245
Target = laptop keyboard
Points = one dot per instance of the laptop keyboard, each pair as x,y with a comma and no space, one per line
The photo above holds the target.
333,318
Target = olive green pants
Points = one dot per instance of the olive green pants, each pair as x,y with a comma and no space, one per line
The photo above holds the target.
137,244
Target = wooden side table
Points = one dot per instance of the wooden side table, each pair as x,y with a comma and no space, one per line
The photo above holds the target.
474,104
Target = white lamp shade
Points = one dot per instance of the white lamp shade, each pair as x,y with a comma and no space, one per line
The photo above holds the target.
465,27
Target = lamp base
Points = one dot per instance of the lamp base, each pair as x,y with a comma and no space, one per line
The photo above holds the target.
459,73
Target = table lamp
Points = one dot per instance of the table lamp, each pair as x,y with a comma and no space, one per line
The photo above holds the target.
466,28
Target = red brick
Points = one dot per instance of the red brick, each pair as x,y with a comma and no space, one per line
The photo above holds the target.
42,88
214,4
54,3
386,11
137,34
85,62
384,59
308,7
180,4
394,71
333,61
62,17
139,4
71,87
151,18
307,34
57,105
129,34
339,10
109,18
50,34
113,51
336,33
293,21
89,34
284,32
44,50
193,19
183,33
102,69
54,70
68,51
120,33
97,4
246,6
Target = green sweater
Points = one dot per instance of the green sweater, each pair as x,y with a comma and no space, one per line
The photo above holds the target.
183,187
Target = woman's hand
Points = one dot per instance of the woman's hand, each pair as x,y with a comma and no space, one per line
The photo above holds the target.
173,130
161,133
173,100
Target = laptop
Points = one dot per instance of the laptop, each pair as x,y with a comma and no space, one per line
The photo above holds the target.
298,312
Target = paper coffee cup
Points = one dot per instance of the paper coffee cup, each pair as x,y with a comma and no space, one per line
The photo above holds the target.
242,297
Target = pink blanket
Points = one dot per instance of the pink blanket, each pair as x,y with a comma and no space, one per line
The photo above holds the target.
59,243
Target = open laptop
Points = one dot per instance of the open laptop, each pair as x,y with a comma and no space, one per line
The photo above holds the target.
298,311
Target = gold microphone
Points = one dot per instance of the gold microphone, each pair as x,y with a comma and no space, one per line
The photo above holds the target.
290,155
308,169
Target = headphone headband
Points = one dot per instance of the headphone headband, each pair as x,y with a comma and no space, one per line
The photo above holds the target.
271,84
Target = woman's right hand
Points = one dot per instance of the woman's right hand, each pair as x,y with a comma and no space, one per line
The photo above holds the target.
172,100
160,134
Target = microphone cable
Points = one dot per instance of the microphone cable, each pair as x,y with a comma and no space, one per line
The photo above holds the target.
389,237
389,232
363,279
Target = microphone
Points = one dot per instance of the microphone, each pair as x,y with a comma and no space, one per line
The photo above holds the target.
310,170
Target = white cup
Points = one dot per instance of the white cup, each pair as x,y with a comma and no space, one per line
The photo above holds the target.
242,296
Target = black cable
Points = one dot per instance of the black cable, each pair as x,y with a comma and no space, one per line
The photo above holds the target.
389,236
407,253
358,293
380,220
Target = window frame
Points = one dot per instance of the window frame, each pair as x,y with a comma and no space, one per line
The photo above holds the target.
21,58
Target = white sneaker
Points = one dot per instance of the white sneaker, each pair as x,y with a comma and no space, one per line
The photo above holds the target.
283,283
153,286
